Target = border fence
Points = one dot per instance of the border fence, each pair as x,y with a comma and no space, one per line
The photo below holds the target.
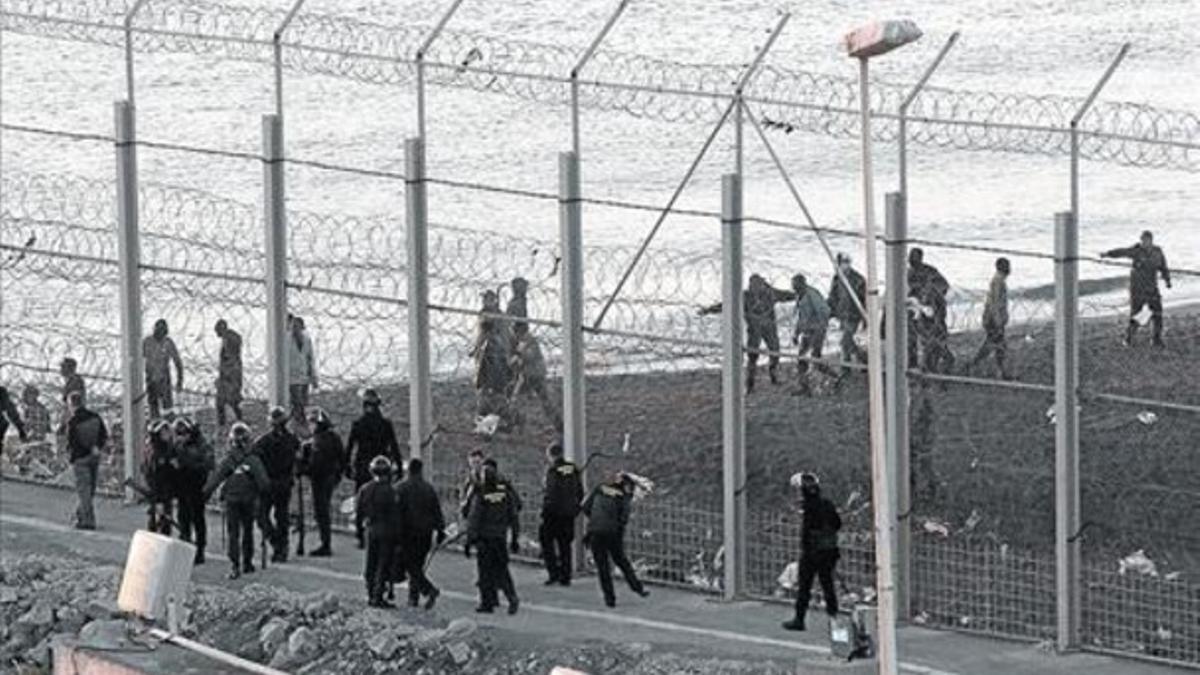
634,366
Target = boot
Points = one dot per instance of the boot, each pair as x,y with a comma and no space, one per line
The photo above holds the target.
235,573
432,599
796,624
199,559
322,552
1158,327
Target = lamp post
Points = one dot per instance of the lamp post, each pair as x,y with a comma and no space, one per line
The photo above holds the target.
875,39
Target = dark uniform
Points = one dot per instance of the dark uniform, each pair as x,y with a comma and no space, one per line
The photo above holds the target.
243,479
758,308
929,288
420,517
278,449
160,467
8,412
371,435
324,464
492,513
560,508
379,511
607,509
1148,263
196,463
818,553
844,309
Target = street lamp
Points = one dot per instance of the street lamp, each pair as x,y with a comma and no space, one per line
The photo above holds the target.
875,39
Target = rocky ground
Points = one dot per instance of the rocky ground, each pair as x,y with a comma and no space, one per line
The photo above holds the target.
45,596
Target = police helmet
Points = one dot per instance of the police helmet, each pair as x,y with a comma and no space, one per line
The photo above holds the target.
183,426
277,415
380,466
318,417
240,431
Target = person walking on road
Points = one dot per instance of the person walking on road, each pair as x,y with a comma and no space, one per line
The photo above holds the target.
844,305
995,320
159,352
421,521
371,435
243,481
812,321
324,464
196,464
379,511
1148,263
302,368
86,436
607,509
758,309
560,507
492,514
9,414
229,373
819,551
278,449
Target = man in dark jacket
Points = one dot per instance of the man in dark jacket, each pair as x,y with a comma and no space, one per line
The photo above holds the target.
758,308
607,509
560,508
492,514
243,479
928,288
843,306
379,511
818,549
420,518
371,435
196,463
323,461
86,435
278,449
160,467
8,412
1148,263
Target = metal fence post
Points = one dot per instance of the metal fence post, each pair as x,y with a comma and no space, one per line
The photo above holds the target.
129,249
1066,430
733,414
275,220
420,392
896,393
570,223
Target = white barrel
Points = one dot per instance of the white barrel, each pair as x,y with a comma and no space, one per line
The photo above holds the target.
157,568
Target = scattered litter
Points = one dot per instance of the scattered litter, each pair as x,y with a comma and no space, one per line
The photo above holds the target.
1138,562
1146,417
789,578
487,425
972,521
1164,634
921,619
934,527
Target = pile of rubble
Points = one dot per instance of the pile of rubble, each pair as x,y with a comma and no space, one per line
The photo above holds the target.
43,596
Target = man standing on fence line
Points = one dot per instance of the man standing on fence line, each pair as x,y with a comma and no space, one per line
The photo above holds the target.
37,417
1148,263
371,435
8,413
278,449
927,289
607,509
560,507
518,304
158,349
421,517
323,463
995,320
819,551
758,308
844,308
229,373
812,320
302,368
529,367
86,436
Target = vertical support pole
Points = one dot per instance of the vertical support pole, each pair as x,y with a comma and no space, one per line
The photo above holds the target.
130,252
275,219
882,477
420,397
570,224
896,395
733,414
570,219
1066,431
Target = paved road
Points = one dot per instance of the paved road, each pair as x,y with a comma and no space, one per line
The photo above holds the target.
33,519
